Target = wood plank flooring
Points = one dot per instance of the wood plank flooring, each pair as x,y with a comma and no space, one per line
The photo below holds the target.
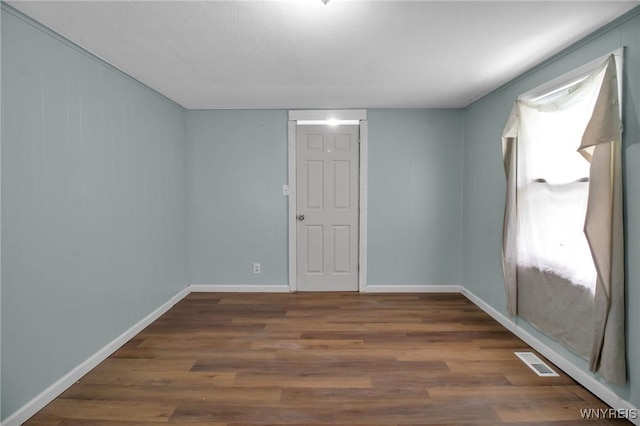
320,358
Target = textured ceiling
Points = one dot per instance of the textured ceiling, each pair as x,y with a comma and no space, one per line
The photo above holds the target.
305,54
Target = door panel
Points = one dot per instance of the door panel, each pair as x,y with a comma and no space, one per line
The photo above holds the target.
341,246
315,185
327,161
315,249
341,185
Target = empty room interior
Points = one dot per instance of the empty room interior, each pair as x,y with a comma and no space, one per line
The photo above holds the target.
320,212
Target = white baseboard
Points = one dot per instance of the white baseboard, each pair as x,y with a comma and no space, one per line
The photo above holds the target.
238,288
49,394
256,288
586,379
411,289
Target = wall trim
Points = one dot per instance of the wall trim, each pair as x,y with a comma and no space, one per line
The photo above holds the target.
36,404
293,202
584,378
327,114
364,202
414,288
238,288
363,165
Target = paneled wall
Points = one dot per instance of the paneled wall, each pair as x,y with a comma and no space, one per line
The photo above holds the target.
484,183
415,197
93,206
0,218
237,216
237,164
114,198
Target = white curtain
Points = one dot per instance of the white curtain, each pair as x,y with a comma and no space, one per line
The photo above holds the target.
562,236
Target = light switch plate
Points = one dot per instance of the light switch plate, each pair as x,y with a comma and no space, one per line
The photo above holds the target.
285,189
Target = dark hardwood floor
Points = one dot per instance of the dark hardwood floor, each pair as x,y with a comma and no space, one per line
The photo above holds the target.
320,358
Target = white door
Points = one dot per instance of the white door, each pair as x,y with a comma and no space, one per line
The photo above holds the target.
327,163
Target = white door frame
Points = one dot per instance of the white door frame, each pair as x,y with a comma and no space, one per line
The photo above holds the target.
325,115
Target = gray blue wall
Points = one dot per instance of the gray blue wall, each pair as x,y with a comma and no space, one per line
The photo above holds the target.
0,217
415,197
237,164
484,183
114,198
237,215
93,207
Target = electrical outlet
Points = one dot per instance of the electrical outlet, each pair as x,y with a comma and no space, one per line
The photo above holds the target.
256,268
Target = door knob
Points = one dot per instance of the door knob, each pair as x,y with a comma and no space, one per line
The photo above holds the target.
300,217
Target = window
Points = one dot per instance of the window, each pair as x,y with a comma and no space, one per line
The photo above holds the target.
563,238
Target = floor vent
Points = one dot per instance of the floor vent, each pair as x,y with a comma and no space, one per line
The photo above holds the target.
536,364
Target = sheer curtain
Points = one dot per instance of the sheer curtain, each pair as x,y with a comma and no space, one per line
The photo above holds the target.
563,239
